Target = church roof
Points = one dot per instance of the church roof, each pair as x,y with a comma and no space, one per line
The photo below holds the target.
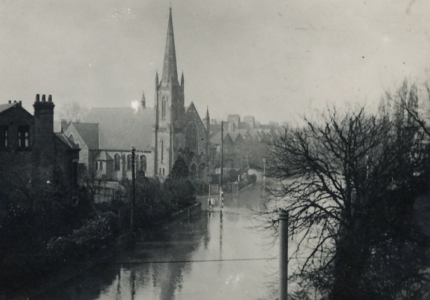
170,72
121,128
104,156
89,133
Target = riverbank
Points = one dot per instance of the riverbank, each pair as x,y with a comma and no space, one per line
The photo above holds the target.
211,256
44,272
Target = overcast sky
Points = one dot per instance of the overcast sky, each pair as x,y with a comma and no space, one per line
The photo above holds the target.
272,59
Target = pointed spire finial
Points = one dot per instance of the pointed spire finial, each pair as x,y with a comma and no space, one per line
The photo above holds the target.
170,72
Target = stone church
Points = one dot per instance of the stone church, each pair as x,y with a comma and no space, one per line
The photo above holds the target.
160,134
178,130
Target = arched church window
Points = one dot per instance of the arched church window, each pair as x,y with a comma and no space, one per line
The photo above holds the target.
191,137
143,163
71,138
117,164
163,107
129,162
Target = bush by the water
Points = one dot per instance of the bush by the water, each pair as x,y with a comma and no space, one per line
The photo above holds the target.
83,242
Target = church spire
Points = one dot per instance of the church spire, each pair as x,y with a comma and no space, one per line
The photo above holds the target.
170,73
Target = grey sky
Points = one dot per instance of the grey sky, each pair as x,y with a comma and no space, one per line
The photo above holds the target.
272,59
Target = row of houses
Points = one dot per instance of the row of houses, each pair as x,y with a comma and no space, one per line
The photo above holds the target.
100,146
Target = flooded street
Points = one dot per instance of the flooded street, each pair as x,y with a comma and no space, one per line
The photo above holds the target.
212,255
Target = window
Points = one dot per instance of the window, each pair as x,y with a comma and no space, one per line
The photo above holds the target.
101,166
143,163
191,137
163,107
23,136
3,137
71,138
96,165
129,162
116,162
163,171
162,151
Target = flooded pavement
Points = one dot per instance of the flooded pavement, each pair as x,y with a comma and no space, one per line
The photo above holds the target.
212,255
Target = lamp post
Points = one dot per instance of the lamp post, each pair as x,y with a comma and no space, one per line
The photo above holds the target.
133,188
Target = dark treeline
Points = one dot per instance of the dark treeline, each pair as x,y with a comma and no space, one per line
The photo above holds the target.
44,231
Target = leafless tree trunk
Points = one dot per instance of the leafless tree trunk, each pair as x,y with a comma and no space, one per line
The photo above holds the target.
336,179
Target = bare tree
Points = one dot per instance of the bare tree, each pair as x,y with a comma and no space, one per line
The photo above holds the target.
73,112
347,181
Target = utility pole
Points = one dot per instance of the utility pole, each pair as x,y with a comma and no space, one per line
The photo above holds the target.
222,165
283,255
264,177
133,188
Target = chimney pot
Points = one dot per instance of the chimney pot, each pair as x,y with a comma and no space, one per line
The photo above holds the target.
20,103
14,101
10,101
37,98
50,98
43,98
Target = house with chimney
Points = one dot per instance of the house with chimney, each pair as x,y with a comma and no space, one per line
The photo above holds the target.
30,152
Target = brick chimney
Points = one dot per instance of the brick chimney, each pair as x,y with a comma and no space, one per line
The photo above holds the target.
44,130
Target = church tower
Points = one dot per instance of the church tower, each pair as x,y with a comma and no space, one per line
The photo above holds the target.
169,104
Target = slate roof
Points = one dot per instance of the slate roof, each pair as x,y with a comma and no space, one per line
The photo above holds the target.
216,139
120,128
7,106
255,133
104,156
89,133
4,107
234,135
64,139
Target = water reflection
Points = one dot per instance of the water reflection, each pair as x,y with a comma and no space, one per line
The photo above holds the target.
212,255
220,240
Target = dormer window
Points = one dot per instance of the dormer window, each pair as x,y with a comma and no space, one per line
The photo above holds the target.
23,136
4,137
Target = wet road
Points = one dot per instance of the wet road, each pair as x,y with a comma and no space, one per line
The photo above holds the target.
213,255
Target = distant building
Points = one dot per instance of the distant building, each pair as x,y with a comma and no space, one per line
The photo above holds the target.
29,148
250,120
233,122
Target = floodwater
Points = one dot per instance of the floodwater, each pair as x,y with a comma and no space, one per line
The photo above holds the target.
221,254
